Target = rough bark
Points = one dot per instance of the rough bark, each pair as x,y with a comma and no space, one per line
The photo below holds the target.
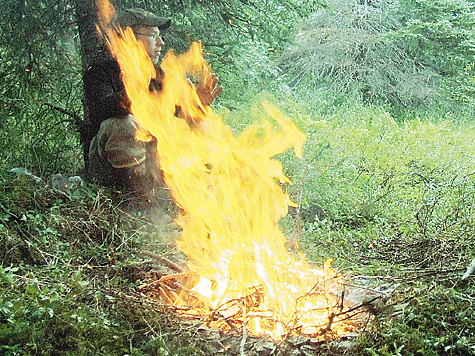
92,47
92,50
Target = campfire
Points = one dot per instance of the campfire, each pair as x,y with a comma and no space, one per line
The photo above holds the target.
240,274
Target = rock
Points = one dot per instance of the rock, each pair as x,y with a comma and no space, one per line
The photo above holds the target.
20,171
62,182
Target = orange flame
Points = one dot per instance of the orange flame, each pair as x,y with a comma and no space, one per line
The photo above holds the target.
227,188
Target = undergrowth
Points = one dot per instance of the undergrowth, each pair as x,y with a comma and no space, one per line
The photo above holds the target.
65,260
391,202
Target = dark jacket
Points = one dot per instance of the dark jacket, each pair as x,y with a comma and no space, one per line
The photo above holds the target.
106,98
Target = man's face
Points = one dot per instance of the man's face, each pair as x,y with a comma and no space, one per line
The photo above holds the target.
152,41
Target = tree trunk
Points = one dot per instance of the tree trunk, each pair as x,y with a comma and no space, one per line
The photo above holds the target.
92,50
92,47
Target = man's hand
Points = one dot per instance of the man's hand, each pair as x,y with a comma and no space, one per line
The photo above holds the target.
207,88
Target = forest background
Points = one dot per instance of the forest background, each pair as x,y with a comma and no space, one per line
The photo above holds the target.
383,90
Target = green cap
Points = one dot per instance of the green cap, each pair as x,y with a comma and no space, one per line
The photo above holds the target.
138,17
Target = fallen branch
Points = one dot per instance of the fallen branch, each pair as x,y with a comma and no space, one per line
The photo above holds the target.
164,261
167,280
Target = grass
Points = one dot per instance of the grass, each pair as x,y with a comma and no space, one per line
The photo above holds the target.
394,201
391,202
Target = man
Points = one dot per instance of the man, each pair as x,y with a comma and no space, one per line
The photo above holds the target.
113,156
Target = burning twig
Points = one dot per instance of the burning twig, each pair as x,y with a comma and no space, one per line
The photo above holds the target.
230,324
169,294
165,296
220,304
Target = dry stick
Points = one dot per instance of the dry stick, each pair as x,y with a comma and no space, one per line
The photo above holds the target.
277,346
174,276
342,300
347,313
149,285
164,261
230,324
358,306
351,316
314,288
150,327
329,324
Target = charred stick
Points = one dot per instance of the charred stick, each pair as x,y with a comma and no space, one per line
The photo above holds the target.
342,300
329,324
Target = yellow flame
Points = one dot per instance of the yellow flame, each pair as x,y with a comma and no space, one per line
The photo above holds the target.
227,188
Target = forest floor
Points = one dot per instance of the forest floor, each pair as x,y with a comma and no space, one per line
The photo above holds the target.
73,266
